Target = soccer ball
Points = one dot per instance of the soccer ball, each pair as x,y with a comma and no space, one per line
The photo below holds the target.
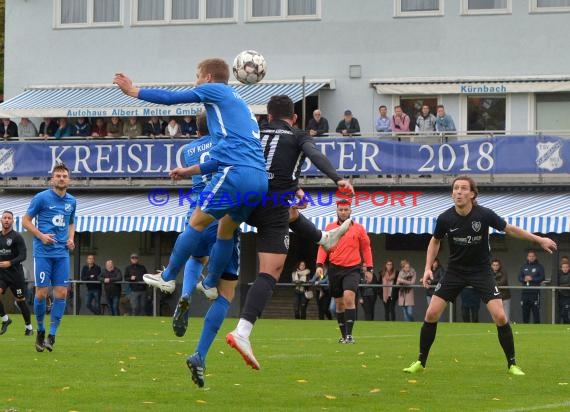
249,67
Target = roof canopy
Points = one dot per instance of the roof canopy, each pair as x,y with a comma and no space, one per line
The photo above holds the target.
108,100
539,212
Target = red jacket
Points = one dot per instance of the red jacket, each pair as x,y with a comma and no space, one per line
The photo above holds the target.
351,250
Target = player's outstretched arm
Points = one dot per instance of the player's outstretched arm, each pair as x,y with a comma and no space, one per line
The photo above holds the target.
545,243
323,164
126,85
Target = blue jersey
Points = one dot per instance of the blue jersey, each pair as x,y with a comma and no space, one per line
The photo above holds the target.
230,121
194,153
53,214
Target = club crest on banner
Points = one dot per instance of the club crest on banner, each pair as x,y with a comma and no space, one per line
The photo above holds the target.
548,156
6,160
476,226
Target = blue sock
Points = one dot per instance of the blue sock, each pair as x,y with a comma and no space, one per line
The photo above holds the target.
219,258
212,322
192,272
184,247
57,311
40,311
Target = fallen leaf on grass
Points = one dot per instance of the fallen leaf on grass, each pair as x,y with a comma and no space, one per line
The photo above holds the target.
375,390
413,409
132,357
562,383
364,366
330,397
65,388
403,391
496,399
455,360
121,362
123,370
302,381
200,401
412,381
148,402
237,384
179,353
222,352
360,353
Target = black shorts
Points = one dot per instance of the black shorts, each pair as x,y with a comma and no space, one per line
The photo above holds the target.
452,283
272,222
343,278
15,281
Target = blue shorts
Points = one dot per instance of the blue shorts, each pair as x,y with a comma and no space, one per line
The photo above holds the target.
207,242
234,191
51,271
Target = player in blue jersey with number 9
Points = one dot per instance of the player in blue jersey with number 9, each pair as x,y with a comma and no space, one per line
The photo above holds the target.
54,229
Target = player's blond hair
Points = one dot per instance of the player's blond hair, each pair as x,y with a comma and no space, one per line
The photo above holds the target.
218,68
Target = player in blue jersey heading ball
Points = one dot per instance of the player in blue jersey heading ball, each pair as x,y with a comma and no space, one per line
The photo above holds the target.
54,229
237,162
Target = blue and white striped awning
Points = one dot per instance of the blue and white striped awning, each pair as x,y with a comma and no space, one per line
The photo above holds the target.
108,100
538,212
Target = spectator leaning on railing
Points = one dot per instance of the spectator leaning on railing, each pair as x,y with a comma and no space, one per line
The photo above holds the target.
349,125
443,122
318,125
383,121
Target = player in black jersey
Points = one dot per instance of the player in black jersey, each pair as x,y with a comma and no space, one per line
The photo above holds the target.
285,149
12,254
466,225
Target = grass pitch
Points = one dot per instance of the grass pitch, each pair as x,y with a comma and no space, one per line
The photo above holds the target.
137,364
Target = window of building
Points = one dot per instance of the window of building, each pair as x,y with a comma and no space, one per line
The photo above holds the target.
184,11
486,113
405,8
412,106
469,7
81,13
552,112
549,6
263,10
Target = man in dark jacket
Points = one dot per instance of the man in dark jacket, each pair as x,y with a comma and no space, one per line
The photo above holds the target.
111,278
90,273
349,125
318,125
531,274
134,274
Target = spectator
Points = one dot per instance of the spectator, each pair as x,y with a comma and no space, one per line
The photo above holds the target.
64,129
301,276
470,304
318,125
172,129
48,128
322,296
82,128
91,272
437,271
154,127
400,122
425,122
100,128
115,127
368,294
8,129
407,276
531,275
132,128
349,125
263,122
188,126
383,121
387,291
501,279
27,128
134,274
443,122
110,278
564,294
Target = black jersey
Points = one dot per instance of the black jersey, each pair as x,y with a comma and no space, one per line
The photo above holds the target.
285,149
12,248
468,237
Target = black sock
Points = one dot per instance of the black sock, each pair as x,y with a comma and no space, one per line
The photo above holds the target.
341,323
303,227
507,342
427,337
350,318
24,308
258,296
2,311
